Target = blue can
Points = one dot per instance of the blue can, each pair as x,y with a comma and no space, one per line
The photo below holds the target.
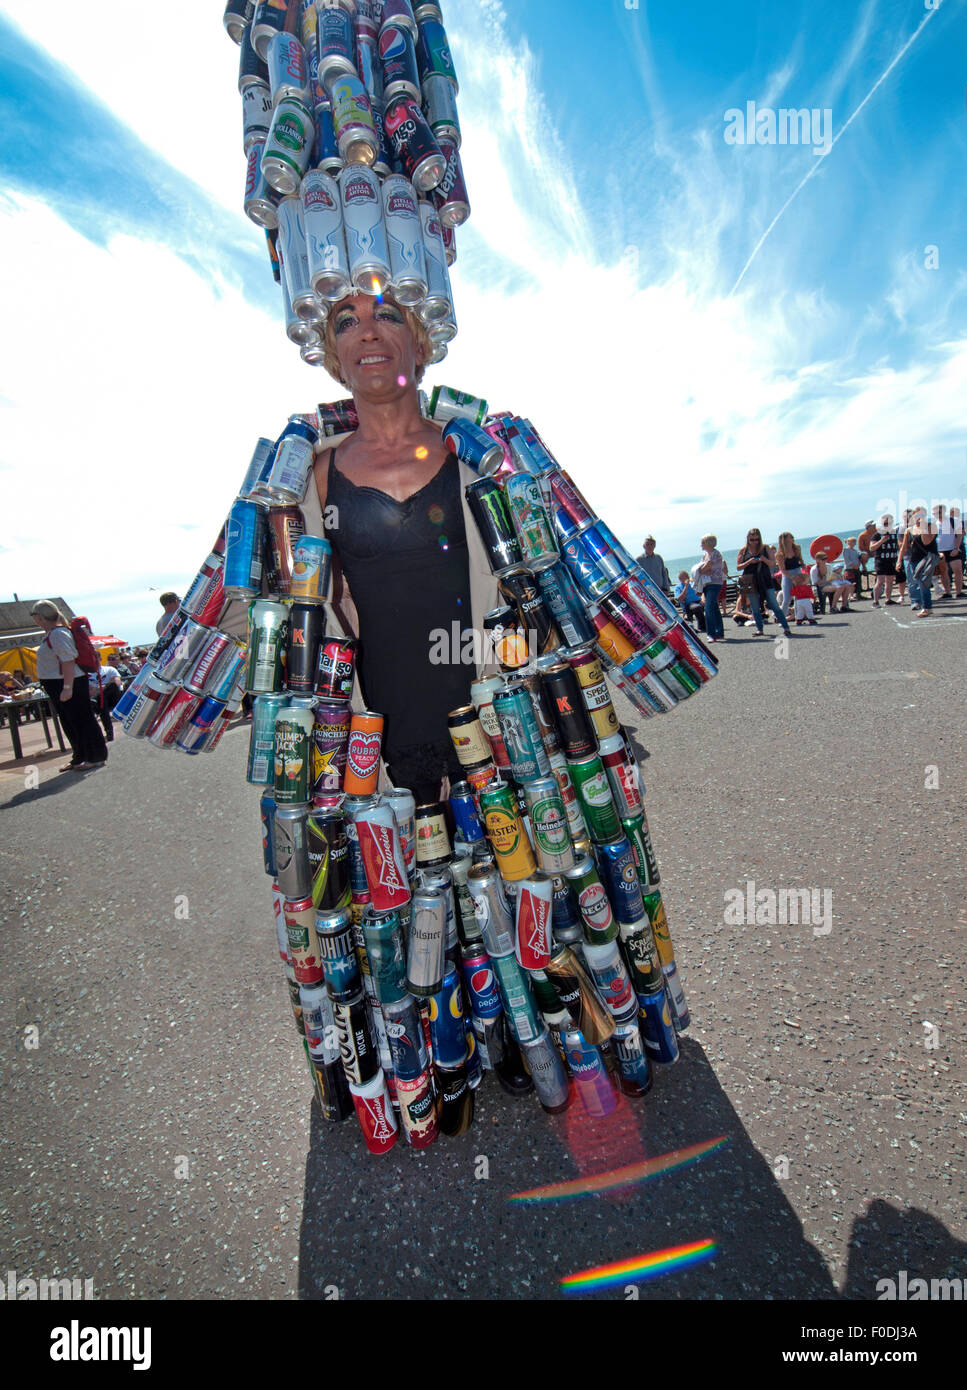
537,446
483,992
588,575
676,997
129,699
657,1028
475,1069
592,1082
473,445
261,744
565,525
448,1032
617,867
358,882
325,150
634,1068
617,549
228,681
601,552
562,598
565,911
267,812
244,536
339,960
465,814
521,733
404,1029
194,736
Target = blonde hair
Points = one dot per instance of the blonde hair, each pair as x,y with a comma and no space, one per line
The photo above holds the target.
49,612
421,339
710,541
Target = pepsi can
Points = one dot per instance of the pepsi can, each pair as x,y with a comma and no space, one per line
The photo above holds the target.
483,992
447,1026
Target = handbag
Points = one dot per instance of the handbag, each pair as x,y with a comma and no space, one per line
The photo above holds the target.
923,569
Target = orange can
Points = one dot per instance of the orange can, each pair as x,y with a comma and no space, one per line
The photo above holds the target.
609,639
362,753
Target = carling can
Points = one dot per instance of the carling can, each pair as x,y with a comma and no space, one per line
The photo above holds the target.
506,833
362,753
261,747
623,776
619,872
597,803
291,851
641,954
579,995
455,1099
572,808
546,1070
352,118
330,735
268,623
300,928
325,236
570,713
548,818
307,628
413,143
610,974
288,147
374,1110
286,61
382,851
518,999
268,18
328,854
657,1028
404,1029
244,538
397,53
448,1031
592,1081
634,1067
531,522
491,909
366,246
532,941
292,735
480,982
473,445
384,948
404,236
594,688
425,960
521,734
336,669
467,735
597,918
311,578
676,998
357,1046
636,828
564,603
403,804
482,694
418,1110
436,305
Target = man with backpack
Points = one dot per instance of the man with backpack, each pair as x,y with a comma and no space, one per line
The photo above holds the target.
65,658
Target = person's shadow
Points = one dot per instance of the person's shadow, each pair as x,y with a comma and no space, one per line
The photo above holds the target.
885,1241
438,1224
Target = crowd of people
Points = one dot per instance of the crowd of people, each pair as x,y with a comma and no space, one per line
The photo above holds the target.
924,553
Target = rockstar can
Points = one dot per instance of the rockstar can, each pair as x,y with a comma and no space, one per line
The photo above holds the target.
366,246
330,735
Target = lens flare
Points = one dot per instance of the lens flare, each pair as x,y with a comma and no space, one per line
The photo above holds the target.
401,381
640,1267
377,287
436,514
422,451
619,1177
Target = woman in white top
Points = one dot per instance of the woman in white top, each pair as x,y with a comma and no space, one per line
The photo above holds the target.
66,684
713,569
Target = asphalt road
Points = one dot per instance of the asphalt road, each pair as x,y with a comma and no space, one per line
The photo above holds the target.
159,1134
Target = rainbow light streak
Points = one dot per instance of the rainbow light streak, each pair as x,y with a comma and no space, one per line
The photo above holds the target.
620,1177
641,1267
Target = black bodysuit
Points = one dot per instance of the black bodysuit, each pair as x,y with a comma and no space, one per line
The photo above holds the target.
406,564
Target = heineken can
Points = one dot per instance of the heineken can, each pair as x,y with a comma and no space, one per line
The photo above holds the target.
611,976
634,1067
505,831
261,745
572,808
546,1070
657,1028
636,828
492,910
552,841
288,146
598,920
384,949
292,747
676,997
425,960
517,999
597,803
268,627
643,960
291,851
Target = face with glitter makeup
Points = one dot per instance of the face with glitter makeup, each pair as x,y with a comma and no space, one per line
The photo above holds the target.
376,352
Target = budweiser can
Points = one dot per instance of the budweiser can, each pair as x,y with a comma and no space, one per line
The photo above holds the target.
325,237
365,234
532,943
374,1110
404,235
403,804
379,842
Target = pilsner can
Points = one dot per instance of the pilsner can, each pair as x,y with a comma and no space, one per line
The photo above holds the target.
365,234
425,960
261,746
288,147
404,235
546,1070
325,236
293,732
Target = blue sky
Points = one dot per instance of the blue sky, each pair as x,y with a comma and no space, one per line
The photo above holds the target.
604,285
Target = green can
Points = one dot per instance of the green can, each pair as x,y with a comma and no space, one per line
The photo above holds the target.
384,946
267,636
531,522
447,404
518,1000
636,828
547,1000
598,921
552,838
659,926
293,753
641,955
659,656
597,802
685,677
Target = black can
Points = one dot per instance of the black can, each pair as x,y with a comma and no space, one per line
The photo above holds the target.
251,68
488,506
336,668
337,417
307,628
540,700
569,712
340,964
397,53
520,588
328,851
455,1099
357,1047
506,637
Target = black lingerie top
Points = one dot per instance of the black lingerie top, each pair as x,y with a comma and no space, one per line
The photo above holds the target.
407,567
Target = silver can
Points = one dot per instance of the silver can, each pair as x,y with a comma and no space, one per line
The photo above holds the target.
261,203
256,114
429,9
492,910
294,256
290,841
325,236
402,802
289,145
404,236
287,68
260,458
184,651
296,330
425,957
154,691
440,879
436,305
543,1062
362,211
440,105
314,352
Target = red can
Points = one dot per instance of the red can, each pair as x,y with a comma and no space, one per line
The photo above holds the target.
480,776
626,618
533,939
634,592
570,499
207,580
623,775
214,651
418,1110
362,753
336,668
213,603
172,718
300,930
284,526
374,1110
382,851
679,643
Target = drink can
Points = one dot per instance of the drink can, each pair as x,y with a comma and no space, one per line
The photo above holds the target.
261,748
327,849
440,878
591,1079
311,577
260,201
587,573
136,707
531,522
472,445
267,816
546,1070
337,417
252,66
676,998
655,909
407,1043
365,234
317,1020
597,803
482,694
506,833
340,959
634,1067
352,118
569,497
244,532
491,909
379,842
433,51
601,552
357,871
636,828
397,53
290,851
307,628
330,735
532,941
692,649
362,753
468,929
336,43
268,622
384,949
520,588
520,733
336,669
206,669
300,927
577,992
623,776
286,61
569,711
517,999
448,404
399,14
357,1046
455,1100
647,600
480,982
447,1026
436,305
418,1110
325,236
440,105
657,1028
594,688
610,974
171,718
292,462
425,960
549,826
237,17
268,18
644,962
467,735
413,143
572,808
403,804
288,147
374,1110
464,807
564,604
598,920
256,117
325,149
292,735
609,640
505,634
404,235
619,873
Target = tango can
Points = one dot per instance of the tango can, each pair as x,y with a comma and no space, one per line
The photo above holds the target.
336,668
